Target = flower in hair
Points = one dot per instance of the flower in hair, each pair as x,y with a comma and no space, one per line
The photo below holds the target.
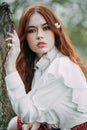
57,25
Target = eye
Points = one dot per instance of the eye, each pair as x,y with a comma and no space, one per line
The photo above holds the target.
31,31
46,28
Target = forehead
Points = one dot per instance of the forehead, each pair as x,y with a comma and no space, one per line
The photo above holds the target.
36,19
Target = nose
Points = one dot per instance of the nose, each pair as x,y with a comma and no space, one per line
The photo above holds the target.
40,34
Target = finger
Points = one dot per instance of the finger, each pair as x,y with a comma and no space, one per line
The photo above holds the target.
29,127
10,34
10,45
15,33
8,39
24,127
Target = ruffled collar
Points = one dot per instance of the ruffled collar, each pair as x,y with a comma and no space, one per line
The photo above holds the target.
44,61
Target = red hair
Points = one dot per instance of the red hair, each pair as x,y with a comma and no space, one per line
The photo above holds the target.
26,58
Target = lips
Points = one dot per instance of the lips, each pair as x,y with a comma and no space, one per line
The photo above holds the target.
41,44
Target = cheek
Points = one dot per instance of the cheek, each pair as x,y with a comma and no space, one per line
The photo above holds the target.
29,40
31,43
52,38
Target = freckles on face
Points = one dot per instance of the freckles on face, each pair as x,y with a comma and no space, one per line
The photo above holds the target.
40,38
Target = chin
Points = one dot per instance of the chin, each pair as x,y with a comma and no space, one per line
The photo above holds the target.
45,50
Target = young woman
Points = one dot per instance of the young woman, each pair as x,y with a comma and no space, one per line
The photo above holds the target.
45,79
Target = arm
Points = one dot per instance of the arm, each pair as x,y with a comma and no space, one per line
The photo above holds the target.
21,102
14,84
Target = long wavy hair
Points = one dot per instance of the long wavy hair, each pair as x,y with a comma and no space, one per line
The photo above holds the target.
26,58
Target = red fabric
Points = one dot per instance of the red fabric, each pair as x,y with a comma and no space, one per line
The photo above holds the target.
80,127
19,123
44,126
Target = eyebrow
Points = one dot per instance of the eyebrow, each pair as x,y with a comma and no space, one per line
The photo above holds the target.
35,26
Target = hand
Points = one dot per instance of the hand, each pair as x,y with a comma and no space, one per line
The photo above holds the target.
10,64
34,126
26,127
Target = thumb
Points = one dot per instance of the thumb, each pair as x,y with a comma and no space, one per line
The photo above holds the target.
24,127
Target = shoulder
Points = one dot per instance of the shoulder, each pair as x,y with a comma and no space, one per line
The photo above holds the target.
63,67
65,62
62,63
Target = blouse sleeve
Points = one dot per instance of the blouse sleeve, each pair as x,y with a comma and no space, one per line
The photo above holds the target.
73,77
36,105
21,102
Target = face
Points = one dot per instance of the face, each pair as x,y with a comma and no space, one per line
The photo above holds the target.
40,38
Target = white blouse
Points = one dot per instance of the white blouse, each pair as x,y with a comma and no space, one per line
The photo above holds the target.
58,95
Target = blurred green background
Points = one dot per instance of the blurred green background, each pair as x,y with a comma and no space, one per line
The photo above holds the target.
73,14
